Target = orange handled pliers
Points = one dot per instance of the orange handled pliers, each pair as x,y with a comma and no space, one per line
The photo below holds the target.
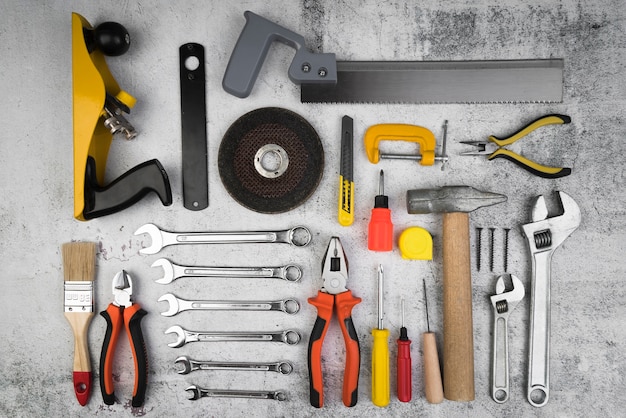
334,294
123,312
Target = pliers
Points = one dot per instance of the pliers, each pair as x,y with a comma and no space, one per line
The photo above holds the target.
123,312
334,294
493,147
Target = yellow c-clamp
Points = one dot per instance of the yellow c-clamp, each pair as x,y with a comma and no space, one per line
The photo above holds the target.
98,107
401,132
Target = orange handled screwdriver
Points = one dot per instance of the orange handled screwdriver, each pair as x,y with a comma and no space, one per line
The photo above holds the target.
432,371
380,228
405,381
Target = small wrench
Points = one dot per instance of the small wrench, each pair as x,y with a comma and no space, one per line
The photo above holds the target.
288,337
189,365
290,306
198,392
503,303
171,272
298,236
544,236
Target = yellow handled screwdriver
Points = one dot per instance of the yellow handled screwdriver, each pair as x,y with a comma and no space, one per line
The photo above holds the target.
380,352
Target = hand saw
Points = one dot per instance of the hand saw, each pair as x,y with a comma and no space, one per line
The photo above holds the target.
323,79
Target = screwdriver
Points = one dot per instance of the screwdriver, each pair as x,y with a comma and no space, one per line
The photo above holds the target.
405,381
380,353
432,372
380,228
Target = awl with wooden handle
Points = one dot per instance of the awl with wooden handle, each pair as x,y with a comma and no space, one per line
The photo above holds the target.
455,202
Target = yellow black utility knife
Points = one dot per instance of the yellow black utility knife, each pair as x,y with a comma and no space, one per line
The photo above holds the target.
346,179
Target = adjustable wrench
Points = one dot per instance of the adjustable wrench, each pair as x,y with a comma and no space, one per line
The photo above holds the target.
290,306
189,365
198,392
544,236
171,272
503,303
298,236
288,337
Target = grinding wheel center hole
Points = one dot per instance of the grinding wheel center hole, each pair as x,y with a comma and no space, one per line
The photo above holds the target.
271,161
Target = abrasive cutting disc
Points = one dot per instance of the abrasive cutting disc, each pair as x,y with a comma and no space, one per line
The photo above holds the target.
271,160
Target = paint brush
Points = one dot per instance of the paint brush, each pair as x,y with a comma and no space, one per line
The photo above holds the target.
79,267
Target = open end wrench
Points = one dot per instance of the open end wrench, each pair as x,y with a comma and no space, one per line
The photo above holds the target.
198,392
504,301
544,236
290,306
171,272
289,337
189,365
298,236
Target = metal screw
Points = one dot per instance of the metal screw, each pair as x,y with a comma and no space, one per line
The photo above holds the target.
478,247
322,72
306,67
491,250
506,249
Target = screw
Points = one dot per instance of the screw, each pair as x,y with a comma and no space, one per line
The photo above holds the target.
506,249
322,72
306,67
478,247
491,250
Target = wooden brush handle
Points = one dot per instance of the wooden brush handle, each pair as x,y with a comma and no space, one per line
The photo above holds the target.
79,321
458,332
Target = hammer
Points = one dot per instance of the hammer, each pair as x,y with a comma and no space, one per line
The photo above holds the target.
455,202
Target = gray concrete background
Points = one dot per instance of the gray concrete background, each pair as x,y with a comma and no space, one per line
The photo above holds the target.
588,337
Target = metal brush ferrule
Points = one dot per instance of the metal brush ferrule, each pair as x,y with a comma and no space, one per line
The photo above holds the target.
79,296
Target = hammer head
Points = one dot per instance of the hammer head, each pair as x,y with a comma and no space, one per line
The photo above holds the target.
450,199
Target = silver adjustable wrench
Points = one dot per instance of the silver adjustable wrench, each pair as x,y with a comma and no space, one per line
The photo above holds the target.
544,236
504,301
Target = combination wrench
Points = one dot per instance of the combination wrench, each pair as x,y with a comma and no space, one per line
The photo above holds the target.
189,365
544,236
290,306
171,272
504,301
289,337
298,236
198,392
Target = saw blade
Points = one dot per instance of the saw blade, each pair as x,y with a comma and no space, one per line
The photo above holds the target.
513,81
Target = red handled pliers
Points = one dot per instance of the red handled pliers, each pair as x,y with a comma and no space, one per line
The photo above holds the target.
334,294
123,312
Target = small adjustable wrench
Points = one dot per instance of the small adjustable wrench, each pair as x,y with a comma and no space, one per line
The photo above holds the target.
503,303
544,236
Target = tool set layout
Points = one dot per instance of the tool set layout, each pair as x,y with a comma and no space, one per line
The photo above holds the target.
271,161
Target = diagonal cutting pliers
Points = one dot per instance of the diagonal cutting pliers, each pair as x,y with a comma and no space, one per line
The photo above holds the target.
493,147
334,296
122,312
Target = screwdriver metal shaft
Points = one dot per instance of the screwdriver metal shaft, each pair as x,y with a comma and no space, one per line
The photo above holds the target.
380,352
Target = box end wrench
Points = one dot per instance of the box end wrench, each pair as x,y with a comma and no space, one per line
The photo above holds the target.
504,301
190,365
176,305
544,236
289,337
298,236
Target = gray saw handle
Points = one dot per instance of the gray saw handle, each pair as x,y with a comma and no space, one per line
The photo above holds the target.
251,49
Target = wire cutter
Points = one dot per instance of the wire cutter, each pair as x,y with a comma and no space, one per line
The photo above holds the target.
493,147
123,312
334,294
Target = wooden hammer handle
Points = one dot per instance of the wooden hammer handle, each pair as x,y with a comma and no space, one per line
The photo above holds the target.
458,333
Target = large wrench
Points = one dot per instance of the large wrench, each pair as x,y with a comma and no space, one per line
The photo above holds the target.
503,303
290,306
289,337
198,392
298,236
189,365
544,236
171,272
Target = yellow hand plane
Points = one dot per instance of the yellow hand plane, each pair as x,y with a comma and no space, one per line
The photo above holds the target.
99,105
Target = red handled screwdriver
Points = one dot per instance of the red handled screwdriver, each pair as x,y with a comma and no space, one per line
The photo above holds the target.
405,381
380,228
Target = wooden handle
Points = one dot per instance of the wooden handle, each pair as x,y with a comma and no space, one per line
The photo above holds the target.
432,372
458,333
79,322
